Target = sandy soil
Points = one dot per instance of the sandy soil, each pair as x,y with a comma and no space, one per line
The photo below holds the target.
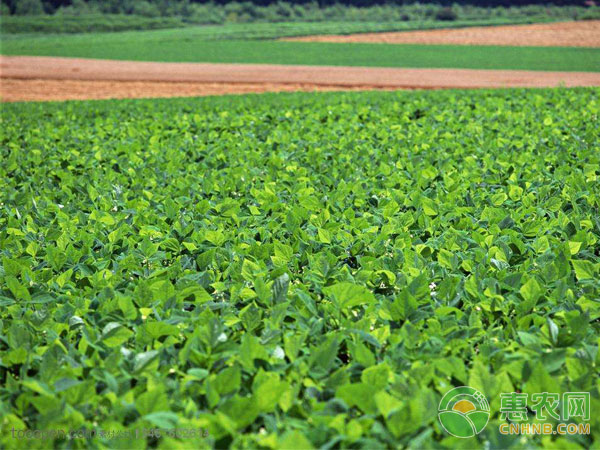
560,34
18,90
25,78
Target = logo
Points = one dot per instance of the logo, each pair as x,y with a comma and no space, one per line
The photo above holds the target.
464,412
546,406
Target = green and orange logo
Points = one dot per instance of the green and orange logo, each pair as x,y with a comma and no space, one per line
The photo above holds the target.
464,412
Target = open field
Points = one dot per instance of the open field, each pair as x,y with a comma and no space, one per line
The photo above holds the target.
297,270
37,79
561,34
311,53
45,78
15,27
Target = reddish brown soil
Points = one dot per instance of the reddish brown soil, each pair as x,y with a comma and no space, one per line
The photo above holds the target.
559,34
18,90
26,78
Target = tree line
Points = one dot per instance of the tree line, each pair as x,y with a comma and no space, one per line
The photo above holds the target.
122,6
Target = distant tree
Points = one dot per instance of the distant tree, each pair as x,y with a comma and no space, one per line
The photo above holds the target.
29,7
244,8
144,8
446,13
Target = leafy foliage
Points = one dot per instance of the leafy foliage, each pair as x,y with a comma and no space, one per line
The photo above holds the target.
92,23
85,24
105,11
297,270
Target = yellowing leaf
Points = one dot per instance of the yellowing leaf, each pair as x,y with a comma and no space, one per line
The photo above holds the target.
574,247
324,236
429,206
584,270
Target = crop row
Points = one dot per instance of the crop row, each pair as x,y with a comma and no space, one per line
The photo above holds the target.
297,270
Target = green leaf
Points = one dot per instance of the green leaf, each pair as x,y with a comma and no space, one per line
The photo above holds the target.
155,330
280,288
241,410
250,270
323,356
295,439
574,247
531,291
268,390
376,376
359,395
115,334
348,295
143,361
18,291
324,236
499,199
228,380
584,270
154,400
163,419
429,206
386,404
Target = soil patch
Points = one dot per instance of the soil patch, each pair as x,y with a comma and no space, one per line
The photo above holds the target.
559,34
29,78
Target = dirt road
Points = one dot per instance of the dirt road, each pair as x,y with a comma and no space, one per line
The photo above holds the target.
27,78
560,34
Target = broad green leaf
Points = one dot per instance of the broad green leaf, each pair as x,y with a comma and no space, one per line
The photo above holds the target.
359,395
429,206
280,288
144,360
152,401
162,419
348,295
114,334
584,270
531,291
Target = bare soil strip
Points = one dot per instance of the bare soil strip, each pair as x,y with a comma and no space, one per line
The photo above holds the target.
559,34
19,90
45,78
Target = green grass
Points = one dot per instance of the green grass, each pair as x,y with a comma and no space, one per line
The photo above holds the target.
296,271
84,23
179,46
119,22
246,44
